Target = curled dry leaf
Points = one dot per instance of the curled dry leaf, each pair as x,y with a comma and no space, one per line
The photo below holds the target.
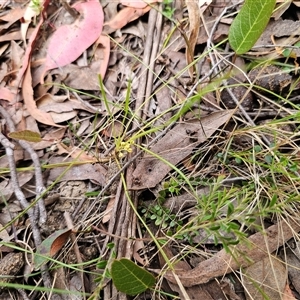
29,46
123,17
194,19
36,113
6,94
70,41
11,17
50,246
105,49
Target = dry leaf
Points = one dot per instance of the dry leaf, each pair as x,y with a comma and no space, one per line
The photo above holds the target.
104,41
29,46
288,294
123,17
108,210
175,146
114,130
94,172
11,17
36,113
50,138
244,255
267,277
69,41
32,11
50,246
202,291
194,20
6,94
293,263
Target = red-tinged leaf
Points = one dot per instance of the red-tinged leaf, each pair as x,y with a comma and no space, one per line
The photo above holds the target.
36,113
50,246
124,16
29,46
6,94
26,135
69,41
105,42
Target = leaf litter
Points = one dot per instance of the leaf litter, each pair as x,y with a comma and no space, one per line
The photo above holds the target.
85,92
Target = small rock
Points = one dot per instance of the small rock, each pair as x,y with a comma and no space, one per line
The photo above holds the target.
10,265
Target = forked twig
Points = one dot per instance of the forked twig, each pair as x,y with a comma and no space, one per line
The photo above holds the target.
39,186
9,149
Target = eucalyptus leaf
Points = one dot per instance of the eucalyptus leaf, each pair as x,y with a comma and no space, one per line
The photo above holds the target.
50,246
249,24
130,278
26,135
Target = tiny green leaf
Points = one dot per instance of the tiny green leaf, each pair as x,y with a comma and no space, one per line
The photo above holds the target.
130,278
249,24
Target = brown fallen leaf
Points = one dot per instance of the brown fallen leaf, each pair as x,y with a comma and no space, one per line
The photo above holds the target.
194,20
245,254
7,189
51,246
36,113
15,35
175,146
288,294
108,210
267,277
292,259
50,138
11,17
204,291
94,172
123,17
103,48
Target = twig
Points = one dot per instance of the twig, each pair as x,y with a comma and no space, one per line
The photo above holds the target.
76,248
9,148
39,186
157,20
141,94
23,294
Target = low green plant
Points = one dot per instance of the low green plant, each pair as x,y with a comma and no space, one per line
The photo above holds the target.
168,10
